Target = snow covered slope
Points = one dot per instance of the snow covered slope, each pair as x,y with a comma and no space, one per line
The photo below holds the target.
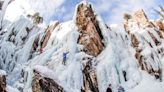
129,55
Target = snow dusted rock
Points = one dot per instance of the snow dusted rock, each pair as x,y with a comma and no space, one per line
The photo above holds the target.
141,19
36,18
17,49
41,84
159,24
48,34
2,81
89,77
90,32
91,38
145,38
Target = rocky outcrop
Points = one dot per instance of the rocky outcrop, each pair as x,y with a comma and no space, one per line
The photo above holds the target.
43,84
92,39
3,83
159,24
48,34
88,27
41,40
36,18
89,77
140,20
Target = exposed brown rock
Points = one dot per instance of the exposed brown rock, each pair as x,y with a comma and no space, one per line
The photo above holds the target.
91,38
144,65
157,43
48,34
43,84
90,33
141,19
35,44
44,40
134,41
3,83
89,78
36,18
126,18
142,59
159,25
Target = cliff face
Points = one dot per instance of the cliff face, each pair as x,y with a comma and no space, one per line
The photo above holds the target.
90,36
142,44
90,32
81,55
48,34
141,19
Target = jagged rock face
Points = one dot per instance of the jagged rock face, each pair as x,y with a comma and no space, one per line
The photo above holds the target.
144,47
89,77
159,24
17,46
42,40
141,19
143,60
90,33
36,18
43,84
48,34
3,83
91,38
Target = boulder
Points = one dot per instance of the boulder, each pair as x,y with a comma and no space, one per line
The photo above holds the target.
43,84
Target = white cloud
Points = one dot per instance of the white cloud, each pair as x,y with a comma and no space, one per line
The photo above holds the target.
46,8
112,10
115,9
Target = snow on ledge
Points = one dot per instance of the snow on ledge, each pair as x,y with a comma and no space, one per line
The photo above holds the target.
46,72
2,72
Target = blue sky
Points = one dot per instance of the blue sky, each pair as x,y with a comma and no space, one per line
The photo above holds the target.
111,10
62,10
